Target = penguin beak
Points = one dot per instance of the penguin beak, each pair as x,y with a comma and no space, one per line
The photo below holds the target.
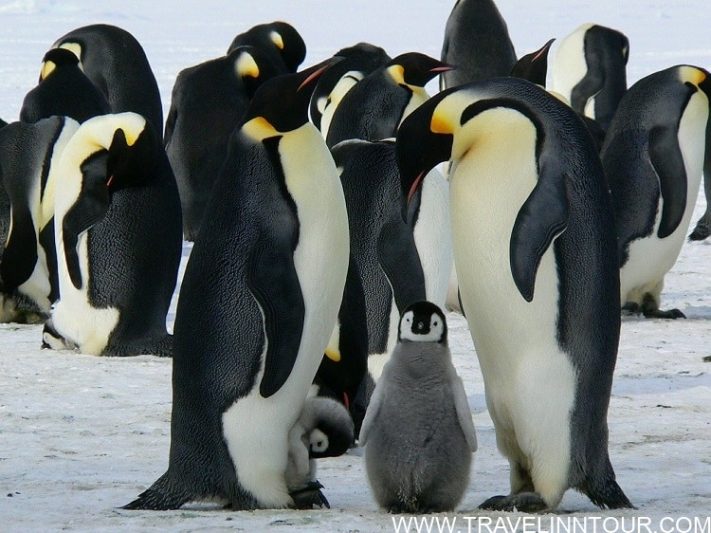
444,67
314,73
534,66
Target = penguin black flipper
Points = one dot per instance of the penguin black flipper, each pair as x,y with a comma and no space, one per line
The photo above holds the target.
666,158
88,210
20,254
542,217
397,253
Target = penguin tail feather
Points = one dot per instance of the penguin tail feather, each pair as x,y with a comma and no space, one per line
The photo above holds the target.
163,495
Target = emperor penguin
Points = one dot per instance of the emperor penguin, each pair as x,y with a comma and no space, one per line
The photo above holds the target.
703,225
208,101
358,61
589,70
418,431
534,243
653,157
257,306
278,40
117,233
29,155
324,429
115,62
382,243
63,90
374,108
476,40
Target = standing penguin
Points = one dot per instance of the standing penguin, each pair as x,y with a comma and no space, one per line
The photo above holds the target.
477,41
653,157
418,431
589,70
278,40
359,61
272,261
29,155
374,108
115,62
117,231
534,243
382,244
63,90
208,101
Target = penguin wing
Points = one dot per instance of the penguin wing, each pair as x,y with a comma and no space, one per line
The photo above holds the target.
542,217
464,414
274,283
398,257
668,162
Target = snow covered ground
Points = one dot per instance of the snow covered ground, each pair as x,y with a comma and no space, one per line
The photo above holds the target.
80,435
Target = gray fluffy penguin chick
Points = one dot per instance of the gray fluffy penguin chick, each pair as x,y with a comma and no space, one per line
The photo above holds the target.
324,429
418,431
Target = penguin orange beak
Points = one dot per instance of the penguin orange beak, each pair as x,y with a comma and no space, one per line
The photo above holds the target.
318,70
443,68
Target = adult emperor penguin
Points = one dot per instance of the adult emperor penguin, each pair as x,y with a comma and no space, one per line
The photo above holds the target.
374,108
117,232
477,41
63,90
653,157
534,243
28,169
278,40
382,244
208,101
272,258
703,225
589,71
358,61
115,62
418,431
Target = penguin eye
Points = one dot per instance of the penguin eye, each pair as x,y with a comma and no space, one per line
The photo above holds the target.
435,323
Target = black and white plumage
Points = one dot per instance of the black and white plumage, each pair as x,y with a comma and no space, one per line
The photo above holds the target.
653,157
279,40
271,260
534,244
207,103
418,431
117,233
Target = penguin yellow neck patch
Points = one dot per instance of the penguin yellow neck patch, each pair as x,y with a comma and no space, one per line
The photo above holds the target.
333,355
277,40
691,74
441,124
259,128
397,73
47,69
246,66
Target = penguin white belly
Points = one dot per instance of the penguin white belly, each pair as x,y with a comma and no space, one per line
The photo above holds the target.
256,428
433,237
530,383
73,316
650,258
345,84
37,285
569,66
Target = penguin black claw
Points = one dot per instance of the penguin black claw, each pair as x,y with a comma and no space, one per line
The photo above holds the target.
525,502
310,496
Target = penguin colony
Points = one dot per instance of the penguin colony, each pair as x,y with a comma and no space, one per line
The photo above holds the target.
311,314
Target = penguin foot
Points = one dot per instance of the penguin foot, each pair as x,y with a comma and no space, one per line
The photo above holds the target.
631,308
701,231
310,496
525,502
658,313
707,359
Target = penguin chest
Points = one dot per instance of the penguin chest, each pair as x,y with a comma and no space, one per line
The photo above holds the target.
651,257
329,105
515,340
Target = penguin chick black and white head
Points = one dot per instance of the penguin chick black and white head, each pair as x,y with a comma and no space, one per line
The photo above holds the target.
423,322
281,104
534,66
329,427
415,69
57,57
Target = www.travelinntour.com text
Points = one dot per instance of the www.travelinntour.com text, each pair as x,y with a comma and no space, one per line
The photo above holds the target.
551,524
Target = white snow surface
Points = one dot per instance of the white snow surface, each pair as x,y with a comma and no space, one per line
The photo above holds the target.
81,436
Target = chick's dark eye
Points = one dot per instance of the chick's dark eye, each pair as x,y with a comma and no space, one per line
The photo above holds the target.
436,323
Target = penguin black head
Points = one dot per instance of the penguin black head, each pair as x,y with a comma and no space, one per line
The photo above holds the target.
416,69
281,104
421,144
534,66
278,36
252,67
56,57
423,322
